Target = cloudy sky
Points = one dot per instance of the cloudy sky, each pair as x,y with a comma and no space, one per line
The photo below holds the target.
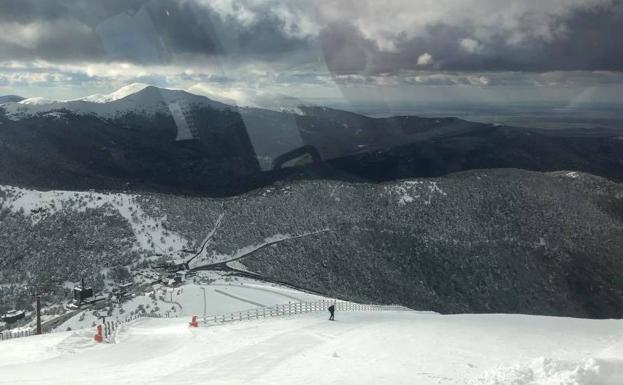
359,51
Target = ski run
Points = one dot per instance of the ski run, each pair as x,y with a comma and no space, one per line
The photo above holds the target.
364,347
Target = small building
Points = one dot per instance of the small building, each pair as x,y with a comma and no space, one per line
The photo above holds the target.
82,293
180,277
13,316
123,289
174,279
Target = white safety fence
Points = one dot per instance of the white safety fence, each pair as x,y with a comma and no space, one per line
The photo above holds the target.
109,329
293,308
9,335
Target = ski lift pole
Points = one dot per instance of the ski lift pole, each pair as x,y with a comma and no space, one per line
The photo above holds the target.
205,306
39,329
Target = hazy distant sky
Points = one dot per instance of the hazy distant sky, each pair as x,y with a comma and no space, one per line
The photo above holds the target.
400,51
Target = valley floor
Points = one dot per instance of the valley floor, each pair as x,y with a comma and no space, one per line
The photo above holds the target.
359,348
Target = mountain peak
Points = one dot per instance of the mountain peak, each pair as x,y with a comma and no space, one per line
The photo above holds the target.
121,93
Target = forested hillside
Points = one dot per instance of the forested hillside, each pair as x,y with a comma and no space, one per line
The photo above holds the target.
479,241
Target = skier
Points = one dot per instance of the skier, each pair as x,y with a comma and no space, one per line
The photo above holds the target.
332,311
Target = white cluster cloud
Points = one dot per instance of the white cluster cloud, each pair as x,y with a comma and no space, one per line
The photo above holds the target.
470,45
425,59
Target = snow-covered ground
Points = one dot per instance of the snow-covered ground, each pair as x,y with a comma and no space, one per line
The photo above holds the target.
151,233
223,295
359,348
415,191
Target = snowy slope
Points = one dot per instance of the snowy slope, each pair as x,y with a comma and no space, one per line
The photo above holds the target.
151,233
360,348
134,98
119,94
224,295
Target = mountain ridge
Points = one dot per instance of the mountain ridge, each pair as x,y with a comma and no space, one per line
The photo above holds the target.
174,141
148,100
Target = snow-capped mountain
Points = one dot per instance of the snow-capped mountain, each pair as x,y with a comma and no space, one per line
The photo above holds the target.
116,95
135,98
146,138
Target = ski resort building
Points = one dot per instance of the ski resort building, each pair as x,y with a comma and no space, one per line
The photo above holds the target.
82,293
13,316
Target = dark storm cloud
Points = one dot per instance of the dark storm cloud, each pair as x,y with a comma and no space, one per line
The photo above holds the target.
346,50
159,32
592,40
144,32
88,11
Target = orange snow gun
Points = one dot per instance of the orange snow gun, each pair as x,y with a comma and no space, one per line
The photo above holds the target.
98,336
194,323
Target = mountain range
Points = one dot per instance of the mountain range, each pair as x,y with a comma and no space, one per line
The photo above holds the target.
143,138
433,213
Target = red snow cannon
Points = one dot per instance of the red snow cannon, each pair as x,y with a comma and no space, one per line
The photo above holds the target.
194,323
98,336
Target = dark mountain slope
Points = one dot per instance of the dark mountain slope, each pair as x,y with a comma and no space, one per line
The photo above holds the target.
10,98
479,241
227,151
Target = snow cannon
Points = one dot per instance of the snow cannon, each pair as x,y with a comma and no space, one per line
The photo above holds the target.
98,336
194,323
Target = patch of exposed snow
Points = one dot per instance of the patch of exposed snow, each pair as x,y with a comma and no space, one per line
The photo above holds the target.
151,233
242,252
54,114
37,101
293,110
238,266
411,191
573,175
